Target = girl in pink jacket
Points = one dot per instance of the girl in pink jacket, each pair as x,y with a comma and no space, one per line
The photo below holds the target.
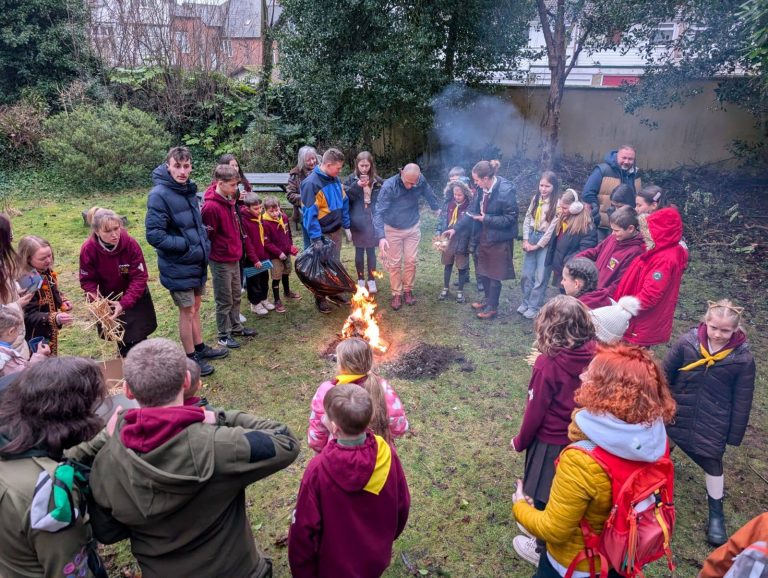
354,359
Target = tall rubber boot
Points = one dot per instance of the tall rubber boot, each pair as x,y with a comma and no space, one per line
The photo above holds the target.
716,534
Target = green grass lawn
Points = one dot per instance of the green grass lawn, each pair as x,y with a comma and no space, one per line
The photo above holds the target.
460,468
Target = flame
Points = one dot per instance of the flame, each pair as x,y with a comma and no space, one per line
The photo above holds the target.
378,275
362,321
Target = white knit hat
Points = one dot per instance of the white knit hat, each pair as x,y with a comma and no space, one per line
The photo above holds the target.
612,321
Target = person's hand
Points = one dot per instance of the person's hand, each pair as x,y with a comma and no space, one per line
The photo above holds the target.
520,495
348,235
294,250
283,256
449,233
66,305
384,246
257,264
317,244
117,309
479,218
64,319
24,298
43,349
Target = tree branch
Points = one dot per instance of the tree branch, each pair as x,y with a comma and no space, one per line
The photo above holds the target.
577,48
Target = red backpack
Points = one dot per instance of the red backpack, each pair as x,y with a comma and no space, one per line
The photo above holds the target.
639,527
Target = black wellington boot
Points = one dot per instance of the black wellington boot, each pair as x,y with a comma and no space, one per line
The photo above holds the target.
716,534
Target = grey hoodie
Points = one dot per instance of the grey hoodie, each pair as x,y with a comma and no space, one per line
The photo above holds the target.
637,442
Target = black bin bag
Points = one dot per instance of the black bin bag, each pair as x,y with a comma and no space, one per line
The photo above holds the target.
321,272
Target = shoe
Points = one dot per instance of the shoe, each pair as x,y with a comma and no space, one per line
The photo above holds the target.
340,299
279,307
259,309
209,352
487,314
322,306
205,367
372,287
246,332
228,342
396,303
409,298
531,314
523,308
361,283
444,294
716,534
460,297
477,306
524,530
480,286
526,549
242,290
293,295
242,318
267,305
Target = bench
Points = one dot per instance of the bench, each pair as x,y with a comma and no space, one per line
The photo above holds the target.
267,182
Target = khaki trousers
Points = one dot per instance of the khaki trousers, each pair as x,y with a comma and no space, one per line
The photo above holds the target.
401,257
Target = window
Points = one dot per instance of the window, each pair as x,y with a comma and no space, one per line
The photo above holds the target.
181,42
664,33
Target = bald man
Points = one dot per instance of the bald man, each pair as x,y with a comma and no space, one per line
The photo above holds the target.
397,225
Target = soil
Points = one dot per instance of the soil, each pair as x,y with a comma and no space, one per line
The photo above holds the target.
425,360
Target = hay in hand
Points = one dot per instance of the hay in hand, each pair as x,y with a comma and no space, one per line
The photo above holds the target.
440,243
101,311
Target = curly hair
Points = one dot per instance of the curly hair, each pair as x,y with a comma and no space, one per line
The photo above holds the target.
563,323
584,270
627,382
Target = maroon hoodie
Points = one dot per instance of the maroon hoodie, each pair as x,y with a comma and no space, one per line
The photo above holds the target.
150,427
550,396
353,503
254,231
278,237
596,298
223,226
612,257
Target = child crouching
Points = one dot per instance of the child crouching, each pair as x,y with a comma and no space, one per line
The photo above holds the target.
10,360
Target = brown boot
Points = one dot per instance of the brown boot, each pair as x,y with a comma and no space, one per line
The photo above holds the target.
396,303
478,305
409,298
487,314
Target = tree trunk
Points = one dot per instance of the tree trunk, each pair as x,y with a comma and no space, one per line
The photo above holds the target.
266,52
550,120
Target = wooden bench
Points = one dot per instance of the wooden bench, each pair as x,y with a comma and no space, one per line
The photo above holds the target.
267,182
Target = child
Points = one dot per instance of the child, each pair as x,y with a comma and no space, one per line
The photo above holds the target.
565,337
538,226
457,251
257,286
188,512
222,223
10,360
614,253
621,196
580,281
654,278
454,175
195,385
278,243
353,501
354,358
650,199
362,188
711,373
573,233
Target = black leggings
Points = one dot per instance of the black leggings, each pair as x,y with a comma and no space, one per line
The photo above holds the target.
360,254
257,287
463,276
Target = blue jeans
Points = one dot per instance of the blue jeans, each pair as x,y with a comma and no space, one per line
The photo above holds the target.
535,275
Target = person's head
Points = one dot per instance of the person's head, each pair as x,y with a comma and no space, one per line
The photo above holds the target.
272,207
456,174
35,253
549,188
484,172
349,409
106,225
194,379
461,192
52,405
253,203
649,199
625,157
179,162
626,382
333,160
8,259
410,175
227,178
624,223
155,372
621,196
574,212
307,158
10,321
365,165
722,319
579,276
563,323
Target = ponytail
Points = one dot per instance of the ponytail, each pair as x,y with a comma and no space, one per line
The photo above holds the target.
380,418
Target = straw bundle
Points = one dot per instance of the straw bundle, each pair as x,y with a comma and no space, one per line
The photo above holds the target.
101,311
440,243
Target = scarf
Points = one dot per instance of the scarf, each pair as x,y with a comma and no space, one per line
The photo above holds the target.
257,220
348,378
458,210
709,359
563,226
539,212
267,217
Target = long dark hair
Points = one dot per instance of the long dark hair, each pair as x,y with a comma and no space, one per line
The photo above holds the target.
8,260
366,156
52,406
225,159
552,178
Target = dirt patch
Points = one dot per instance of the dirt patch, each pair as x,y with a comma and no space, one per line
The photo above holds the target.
425,360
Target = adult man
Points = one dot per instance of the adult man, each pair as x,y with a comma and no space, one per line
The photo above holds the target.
617,169
326,207
172,476
397,225
175,229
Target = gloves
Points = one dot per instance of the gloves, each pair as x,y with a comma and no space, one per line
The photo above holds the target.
348,233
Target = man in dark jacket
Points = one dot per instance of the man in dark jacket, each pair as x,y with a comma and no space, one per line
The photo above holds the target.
174,476
175,229
618,168
398,228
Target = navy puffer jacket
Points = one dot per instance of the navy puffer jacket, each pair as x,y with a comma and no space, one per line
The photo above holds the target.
175,229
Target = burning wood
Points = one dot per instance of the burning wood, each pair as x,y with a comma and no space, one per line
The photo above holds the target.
362,321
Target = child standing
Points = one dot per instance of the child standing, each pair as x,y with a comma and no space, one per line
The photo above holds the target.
278,242
10,360
257,286
650,199
538,226
580,281
565,337
353,501
354,358
457,251
711,373
362,188
454,175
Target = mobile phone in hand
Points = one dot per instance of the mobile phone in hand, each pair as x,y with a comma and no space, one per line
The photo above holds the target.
31,282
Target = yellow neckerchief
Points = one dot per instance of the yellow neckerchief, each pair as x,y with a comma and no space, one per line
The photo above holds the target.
257,220
381,469
707,358
348,378
538,212
563,226
279,221
454,216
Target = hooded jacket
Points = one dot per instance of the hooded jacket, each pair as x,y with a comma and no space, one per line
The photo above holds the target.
353,503
277,238
604,178
398,207
178,485
581,488
255,236
175,229
222,224
553,383
713,403
499,209
460,241
654,278
612,257
326,206
360,213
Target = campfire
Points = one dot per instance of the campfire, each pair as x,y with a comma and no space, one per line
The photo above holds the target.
362,321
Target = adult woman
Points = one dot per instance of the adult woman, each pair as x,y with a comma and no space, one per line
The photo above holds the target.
112,265
34,432
306,163
625,402
493,218
9,289
47,310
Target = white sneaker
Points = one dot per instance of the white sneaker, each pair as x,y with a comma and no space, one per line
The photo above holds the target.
526,549
259,309
523,308
524,530
243,318
361,282
372,287
267,305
